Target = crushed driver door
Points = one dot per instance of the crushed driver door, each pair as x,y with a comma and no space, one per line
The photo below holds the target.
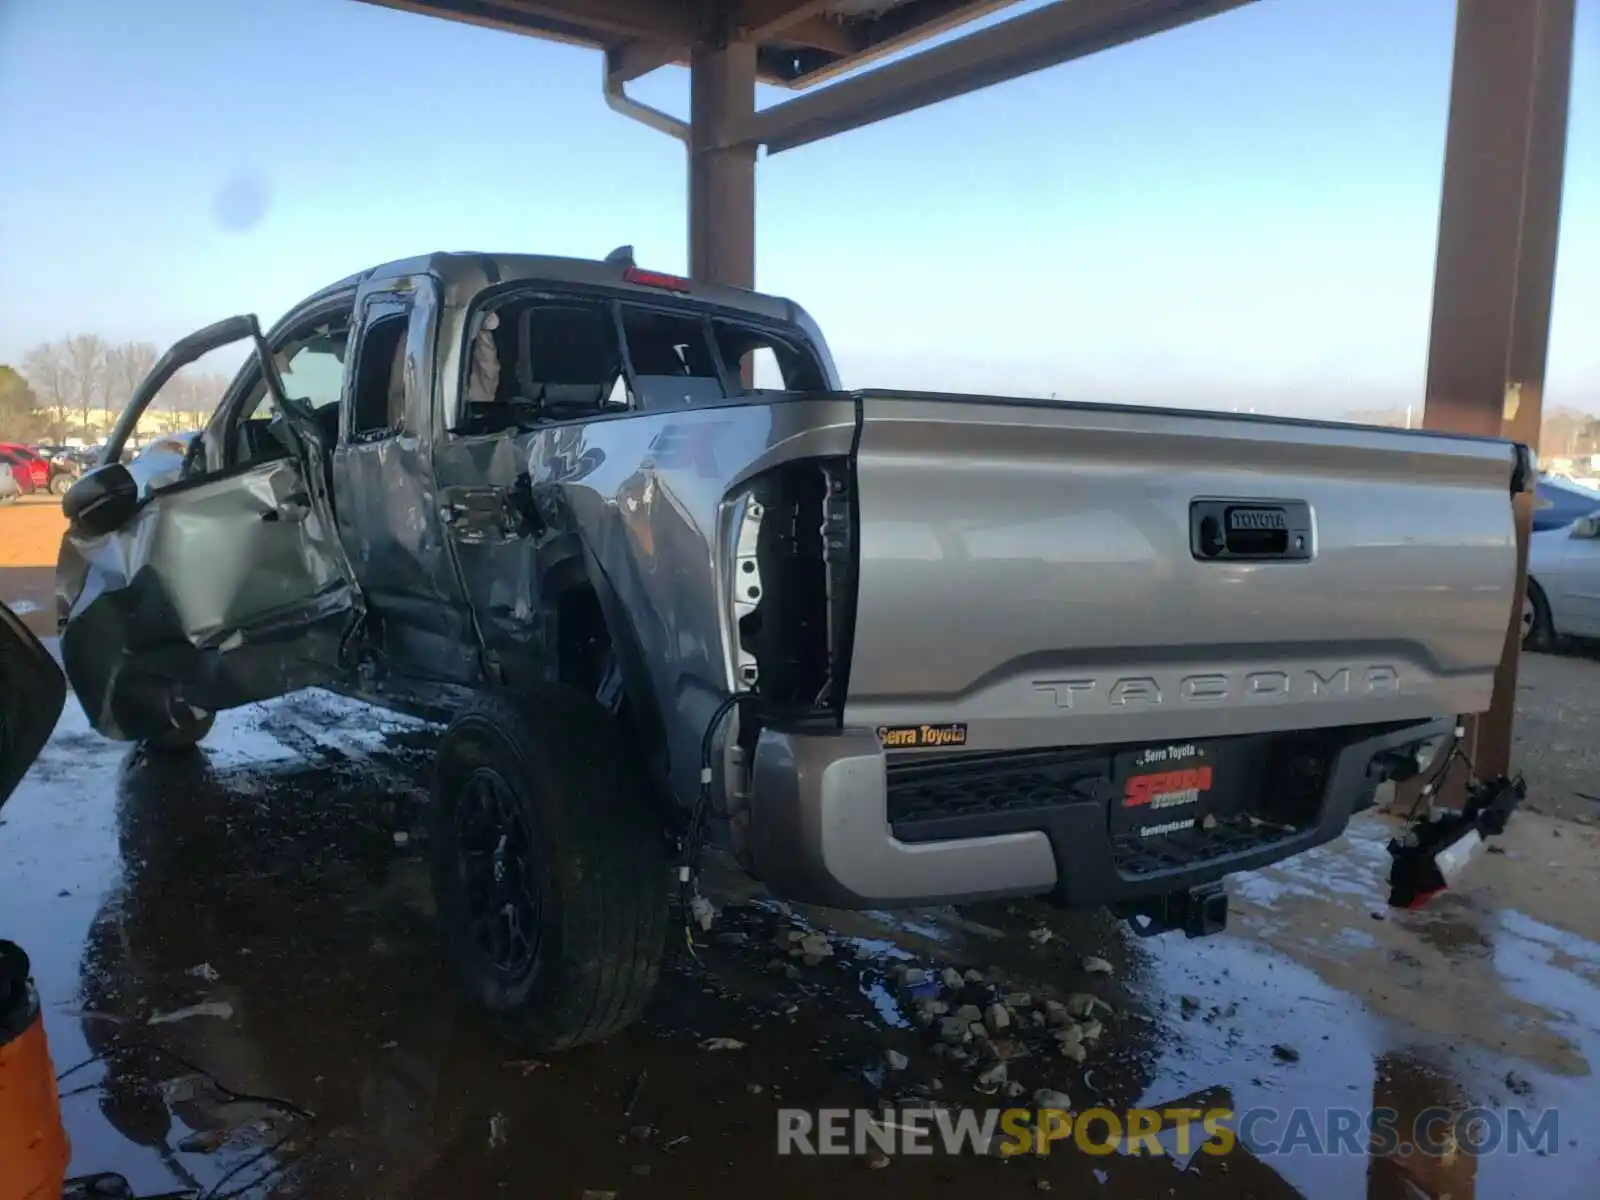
221,583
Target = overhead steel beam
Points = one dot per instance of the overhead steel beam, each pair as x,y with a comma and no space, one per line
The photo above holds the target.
757,20
1500,207
1044,38
495,14
901,27
786,22
629,61
820,34
583,22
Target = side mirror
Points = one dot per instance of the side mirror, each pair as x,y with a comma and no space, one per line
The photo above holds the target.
29,703
1588,527
103,501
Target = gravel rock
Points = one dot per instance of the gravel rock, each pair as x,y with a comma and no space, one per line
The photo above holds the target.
954,1030
1096,966
1082,1004
815,945
997,1017
951,977
895,1060
1050,1098
990,1081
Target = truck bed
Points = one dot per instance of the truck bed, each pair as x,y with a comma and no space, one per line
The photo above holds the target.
1041,573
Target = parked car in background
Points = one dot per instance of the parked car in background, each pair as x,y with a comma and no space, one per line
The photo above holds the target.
31,471
65,467
9,488
1558,502
1563,583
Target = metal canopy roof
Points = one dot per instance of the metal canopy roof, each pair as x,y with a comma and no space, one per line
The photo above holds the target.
799,42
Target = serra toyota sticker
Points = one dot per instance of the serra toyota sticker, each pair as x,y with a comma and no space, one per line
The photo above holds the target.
1164,786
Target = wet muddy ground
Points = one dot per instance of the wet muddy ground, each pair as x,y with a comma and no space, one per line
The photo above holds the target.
30,535
238,948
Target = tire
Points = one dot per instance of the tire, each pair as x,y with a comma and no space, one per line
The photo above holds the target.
539,790
1538,629
61,484
181,737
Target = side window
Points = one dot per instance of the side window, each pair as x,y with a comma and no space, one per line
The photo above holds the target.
378,393
164,446
314,373
766,360
673,366
311,361
541,359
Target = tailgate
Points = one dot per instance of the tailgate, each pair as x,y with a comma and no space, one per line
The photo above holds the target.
1039,572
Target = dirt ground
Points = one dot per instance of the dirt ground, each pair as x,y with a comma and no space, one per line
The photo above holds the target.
30,535
242,983
239,966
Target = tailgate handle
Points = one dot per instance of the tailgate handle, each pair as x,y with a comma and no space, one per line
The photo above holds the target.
1233,530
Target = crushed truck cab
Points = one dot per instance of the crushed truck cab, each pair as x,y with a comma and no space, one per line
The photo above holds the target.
660,575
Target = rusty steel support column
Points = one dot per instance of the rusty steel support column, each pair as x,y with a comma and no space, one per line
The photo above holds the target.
722,183
1504,158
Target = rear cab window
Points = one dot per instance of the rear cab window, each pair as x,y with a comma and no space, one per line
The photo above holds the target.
533,357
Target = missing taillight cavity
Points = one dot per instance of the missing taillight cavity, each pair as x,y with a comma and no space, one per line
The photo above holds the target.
793,586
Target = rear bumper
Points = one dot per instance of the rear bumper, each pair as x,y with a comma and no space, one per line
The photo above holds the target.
821,831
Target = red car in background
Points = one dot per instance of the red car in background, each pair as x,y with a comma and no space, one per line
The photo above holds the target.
32,471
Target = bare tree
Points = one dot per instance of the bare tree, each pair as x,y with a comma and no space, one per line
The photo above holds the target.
46,370
86,360
21,417
195,394
126,365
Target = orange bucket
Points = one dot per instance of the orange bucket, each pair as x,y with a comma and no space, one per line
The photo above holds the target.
33,1144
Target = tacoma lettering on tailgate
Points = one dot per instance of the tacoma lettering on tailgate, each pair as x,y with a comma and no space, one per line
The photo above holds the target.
1309,683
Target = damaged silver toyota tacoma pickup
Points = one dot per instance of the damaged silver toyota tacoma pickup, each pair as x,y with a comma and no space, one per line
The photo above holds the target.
667,584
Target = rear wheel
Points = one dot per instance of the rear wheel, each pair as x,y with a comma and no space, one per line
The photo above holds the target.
1538,629
60,484
549,869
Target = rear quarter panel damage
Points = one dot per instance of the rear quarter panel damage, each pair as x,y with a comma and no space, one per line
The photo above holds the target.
641,502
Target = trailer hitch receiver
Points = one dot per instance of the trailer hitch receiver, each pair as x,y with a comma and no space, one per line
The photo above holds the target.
1199,912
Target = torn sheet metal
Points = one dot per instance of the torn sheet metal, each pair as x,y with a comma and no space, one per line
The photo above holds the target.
229,591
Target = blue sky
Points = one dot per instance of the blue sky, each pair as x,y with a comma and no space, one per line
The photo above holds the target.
1240,212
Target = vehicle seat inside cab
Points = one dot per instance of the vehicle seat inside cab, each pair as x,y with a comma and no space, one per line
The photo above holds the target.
540,361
